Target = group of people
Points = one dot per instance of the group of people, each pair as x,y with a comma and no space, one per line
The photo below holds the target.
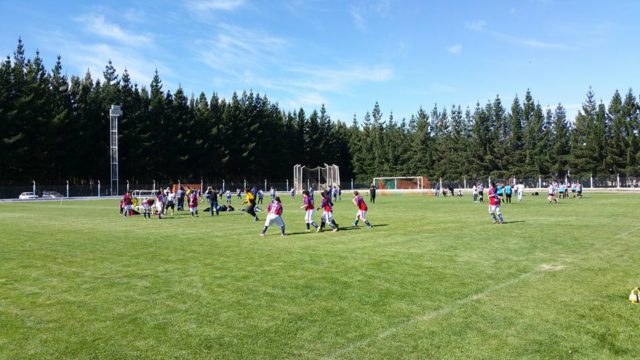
504,191
161,201
275,210
557,190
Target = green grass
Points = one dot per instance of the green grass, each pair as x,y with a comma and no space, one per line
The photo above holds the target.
434,279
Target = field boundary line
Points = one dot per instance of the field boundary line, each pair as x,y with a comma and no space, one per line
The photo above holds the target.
432,314
628,232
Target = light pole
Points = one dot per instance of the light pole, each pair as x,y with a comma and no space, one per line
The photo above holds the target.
114,113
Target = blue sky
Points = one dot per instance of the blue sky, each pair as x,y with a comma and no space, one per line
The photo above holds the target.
346,54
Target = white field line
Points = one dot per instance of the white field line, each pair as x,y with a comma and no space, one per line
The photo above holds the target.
448,308
430,315
629,232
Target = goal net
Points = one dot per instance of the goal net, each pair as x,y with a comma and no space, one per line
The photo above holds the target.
319,178
402,183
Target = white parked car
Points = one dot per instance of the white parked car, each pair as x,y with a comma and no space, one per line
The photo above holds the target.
28,195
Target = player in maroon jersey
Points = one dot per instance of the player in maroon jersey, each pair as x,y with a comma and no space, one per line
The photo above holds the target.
362,210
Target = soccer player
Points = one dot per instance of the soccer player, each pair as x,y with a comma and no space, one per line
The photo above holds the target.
579,190
500,191
274,211
507,193
293,193
250,200
273,194
146,207
307,205
180,194
474,190
327,213
520,191
171,203
228,195
480,192
160,204
127,201
494,204
261,196
362,210
551,192
193,204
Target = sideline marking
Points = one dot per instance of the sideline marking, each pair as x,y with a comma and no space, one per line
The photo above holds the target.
433,314
454,305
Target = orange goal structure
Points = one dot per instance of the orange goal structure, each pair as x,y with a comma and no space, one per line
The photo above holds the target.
393,183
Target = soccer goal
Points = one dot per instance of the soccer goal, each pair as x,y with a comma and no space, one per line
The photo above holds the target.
319,178
402,183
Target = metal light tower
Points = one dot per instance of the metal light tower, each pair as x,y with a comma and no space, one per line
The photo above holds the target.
114,113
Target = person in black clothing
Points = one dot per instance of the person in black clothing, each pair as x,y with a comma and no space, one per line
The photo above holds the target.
212,195
372,193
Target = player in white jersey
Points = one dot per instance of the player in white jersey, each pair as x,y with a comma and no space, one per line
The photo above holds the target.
274,215
307,205
551,194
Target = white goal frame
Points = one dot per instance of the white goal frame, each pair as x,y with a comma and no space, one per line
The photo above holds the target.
305,178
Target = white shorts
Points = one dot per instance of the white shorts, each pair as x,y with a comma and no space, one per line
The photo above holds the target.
308,216
362,214
159,206
273,218
494,209
193,209
146,207
327,216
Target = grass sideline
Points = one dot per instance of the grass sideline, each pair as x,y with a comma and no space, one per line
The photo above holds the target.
433,279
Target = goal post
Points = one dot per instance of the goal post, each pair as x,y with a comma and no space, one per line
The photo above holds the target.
401,183
319,178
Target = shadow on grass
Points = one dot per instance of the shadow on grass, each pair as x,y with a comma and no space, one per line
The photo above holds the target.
514,222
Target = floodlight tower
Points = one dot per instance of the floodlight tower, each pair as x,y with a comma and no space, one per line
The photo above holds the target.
114,113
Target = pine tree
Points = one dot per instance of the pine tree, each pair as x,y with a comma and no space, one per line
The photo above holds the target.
630,112
560,143
515,142
421,163
583,148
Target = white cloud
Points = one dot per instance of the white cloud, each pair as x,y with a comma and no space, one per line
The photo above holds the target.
477,25
455,49
481,26
358,19
235,49
214,5
341,79
97,25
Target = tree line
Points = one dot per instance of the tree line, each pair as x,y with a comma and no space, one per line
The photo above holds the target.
55,128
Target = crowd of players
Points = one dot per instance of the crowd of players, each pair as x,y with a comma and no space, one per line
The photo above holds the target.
164,200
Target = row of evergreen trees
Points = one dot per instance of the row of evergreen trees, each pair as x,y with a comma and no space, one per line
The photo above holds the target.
54,128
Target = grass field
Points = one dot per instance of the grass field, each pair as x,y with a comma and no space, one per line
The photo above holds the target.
433,279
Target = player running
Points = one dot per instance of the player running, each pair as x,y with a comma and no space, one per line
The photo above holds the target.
362,210
307,205
274,211
494,204
327,213
250,200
